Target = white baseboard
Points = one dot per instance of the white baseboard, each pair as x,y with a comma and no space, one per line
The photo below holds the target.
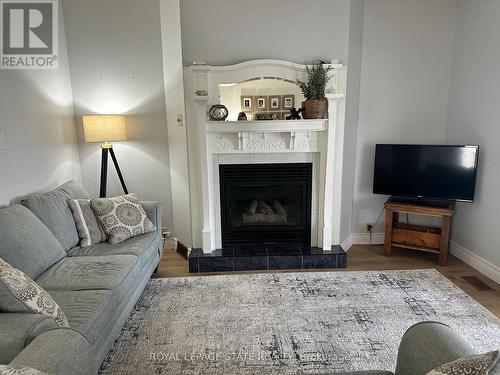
465,255
347,243
364,239
485,267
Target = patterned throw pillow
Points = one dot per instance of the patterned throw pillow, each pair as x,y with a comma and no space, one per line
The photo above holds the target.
477,364
18,293
89,230
122,217
15,370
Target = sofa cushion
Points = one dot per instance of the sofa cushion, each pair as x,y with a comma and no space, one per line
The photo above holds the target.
75,190
122,217
84,308
94,312
86,273
141,246
53,210
18,293
26,243
89,230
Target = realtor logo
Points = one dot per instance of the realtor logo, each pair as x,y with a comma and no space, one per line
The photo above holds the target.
29,37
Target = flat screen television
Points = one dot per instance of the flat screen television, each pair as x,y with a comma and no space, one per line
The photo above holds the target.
426,171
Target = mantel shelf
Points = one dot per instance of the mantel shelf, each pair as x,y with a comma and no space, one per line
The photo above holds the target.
268,126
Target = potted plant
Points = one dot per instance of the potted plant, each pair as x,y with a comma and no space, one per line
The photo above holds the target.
316,105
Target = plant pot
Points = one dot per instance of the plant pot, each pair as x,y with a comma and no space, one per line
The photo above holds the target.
315,108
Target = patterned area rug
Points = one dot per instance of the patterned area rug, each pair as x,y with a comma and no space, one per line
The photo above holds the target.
289,323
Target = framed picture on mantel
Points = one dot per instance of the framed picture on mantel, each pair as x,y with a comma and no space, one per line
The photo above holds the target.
247,103
275,103
288,101
261,103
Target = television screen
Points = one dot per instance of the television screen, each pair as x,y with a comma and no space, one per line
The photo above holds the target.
426,171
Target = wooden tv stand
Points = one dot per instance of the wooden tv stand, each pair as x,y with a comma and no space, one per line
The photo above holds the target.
418,237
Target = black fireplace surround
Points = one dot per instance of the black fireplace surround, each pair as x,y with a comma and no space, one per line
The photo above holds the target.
265,204
266,222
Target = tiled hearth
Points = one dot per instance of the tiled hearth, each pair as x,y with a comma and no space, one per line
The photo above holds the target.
275,257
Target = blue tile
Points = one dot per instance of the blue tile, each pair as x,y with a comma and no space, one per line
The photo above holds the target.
196,253
215,264
283,249
250,263
226,252
193,265
318,261
284,262
250,250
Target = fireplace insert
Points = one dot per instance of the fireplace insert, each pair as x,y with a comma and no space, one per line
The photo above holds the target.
266,204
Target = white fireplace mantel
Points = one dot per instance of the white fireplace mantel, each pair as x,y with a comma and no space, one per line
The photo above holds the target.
322,138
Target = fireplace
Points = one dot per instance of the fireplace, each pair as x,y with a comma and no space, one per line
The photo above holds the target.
265,204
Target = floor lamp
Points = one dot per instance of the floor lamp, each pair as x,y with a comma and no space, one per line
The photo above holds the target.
106,128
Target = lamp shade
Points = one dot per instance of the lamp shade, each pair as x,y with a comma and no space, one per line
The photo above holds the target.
104,128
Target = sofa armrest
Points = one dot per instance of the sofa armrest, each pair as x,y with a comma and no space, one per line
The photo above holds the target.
154,211
17,330
427,345
62,351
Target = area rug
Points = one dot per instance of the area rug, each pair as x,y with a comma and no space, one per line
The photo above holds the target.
289,323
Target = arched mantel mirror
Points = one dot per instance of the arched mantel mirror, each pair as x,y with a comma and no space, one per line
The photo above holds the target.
269,78
262,98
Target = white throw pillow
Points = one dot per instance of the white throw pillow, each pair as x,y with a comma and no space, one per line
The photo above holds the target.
20,294
89,230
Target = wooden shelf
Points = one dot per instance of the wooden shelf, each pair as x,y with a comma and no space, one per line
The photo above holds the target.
418,237
419,248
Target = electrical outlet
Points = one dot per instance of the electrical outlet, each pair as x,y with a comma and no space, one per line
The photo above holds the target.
369,227
179,119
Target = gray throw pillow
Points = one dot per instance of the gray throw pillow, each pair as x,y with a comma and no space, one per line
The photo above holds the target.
20,294
122,217
16,370
89,230
476,364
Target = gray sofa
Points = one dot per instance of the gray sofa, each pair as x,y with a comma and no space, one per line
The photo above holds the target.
96,286
425,346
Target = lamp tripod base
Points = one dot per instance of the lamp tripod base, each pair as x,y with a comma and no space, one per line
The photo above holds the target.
108,149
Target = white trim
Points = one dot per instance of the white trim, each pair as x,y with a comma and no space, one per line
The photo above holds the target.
475,261
364,239
262,62
209,139
465,255
347,243
173,85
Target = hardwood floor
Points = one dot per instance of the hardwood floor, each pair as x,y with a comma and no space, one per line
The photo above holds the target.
366,257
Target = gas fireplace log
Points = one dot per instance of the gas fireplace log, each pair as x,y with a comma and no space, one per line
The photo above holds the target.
252,209
278,208
263,208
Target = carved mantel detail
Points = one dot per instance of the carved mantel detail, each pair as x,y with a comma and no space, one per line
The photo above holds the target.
266,136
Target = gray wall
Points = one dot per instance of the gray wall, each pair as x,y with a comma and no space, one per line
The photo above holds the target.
222,32
473,117
116,67
37,122
406,62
